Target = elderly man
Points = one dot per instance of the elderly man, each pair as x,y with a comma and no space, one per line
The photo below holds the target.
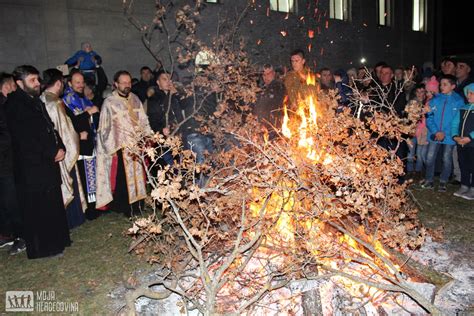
37,151
122,114
86,60
270,100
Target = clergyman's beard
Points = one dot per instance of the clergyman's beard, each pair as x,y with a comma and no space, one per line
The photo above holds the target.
125,92
31,91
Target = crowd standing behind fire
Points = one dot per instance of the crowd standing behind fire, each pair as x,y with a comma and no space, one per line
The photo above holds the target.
62,139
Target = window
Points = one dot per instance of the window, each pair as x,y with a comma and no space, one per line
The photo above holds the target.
339,9
384,12
283,5
419,14
213,1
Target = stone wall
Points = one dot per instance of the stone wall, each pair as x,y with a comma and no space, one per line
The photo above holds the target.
45,33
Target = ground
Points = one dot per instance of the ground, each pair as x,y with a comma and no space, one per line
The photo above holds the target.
98,262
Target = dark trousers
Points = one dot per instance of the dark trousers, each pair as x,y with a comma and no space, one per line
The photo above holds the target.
466,164
10,215
121,201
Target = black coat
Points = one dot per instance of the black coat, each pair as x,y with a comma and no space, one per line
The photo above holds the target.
5,143
160,105
141,87
35,142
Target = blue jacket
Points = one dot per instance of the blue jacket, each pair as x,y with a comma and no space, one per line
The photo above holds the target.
87,63
443,109
463,122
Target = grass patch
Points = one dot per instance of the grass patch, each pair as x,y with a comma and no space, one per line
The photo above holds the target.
96,263
455,215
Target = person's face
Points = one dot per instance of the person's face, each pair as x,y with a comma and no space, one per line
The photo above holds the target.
87,47
77,83
146,75
268,76
420,94
297,62
31,85
429,95
8,87
164,82
124,85
446,87
462,70
448,67
378,70
470,97
386,75
398,74
361,74
60,85
326,77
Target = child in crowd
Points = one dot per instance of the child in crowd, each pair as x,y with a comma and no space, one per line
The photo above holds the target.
443,108
463,134
419,140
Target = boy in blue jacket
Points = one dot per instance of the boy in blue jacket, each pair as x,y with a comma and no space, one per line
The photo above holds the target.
443,108
462,130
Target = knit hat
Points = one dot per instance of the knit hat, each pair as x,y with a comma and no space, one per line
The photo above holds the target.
469,87
432,85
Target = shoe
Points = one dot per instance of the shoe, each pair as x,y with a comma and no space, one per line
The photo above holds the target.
427,185
5,241
18,247
462,190
455,182
442,187
422,181
469,195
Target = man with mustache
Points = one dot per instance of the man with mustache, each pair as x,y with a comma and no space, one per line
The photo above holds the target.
122,113
84,117
37,151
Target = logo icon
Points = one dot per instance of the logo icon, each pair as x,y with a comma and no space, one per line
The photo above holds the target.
19,301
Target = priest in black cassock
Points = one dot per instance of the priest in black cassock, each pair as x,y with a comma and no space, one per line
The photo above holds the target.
37,150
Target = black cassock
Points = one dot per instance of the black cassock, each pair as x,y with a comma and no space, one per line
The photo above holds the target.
35,144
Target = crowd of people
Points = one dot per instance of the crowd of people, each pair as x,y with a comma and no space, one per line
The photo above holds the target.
63,138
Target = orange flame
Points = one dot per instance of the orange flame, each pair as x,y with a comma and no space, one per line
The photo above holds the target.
311,79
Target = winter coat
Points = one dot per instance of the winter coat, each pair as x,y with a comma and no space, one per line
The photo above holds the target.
463,122
443,108
5,142
35,142
87,63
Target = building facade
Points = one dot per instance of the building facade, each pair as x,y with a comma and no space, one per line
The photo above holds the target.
334,33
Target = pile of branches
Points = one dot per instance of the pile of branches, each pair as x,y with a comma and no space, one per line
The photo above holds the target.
266,202
267,215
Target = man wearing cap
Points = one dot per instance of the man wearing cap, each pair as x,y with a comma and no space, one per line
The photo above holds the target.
463,76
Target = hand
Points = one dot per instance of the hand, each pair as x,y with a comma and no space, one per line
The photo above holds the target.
92,109
463,140
173,89
60,155
166,131
439,136
83,135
